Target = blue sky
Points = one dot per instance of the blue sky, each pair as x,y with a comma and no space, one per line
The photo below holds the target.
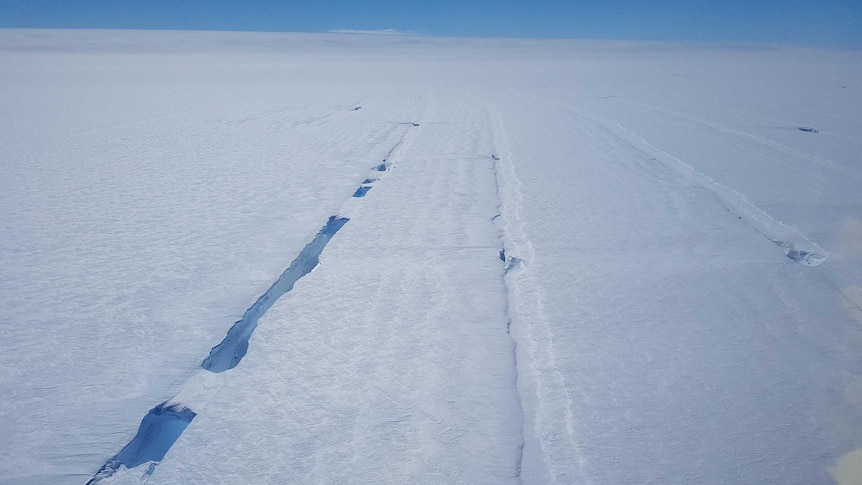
836,22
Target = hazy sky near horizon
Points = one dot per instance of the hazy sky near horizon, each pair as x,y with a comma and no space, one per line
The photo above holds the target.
831,22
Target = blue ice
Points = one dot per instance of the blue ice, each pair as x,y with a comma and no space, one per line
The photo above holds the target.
227,354
361,191
159,429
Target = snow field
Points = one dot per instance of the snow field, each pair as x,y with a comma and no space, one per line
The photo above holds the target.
391,360
679,298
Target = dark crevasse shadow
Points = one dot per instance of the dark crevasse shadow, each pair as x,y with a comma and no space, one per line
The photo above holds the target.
361,191
808,258
158,431
227,354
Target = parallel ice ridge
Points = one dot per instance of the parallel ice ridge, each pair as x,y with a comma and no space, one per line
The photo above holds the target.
509,262
549,452
797,247
511,237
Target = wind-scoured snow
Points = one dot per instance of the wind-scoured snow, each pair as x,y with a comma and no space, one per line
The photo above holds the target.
581,262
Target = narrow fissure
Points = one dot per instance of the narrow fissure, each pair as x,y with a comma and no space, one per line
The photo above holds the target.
164,424
158,431
509,263
227,354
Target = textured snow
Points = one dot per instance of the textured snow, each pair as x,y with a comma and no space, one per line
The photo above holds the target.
581,262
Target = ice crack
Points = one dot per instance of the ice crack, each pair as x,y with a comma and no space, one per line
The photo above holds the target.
158,431
227,354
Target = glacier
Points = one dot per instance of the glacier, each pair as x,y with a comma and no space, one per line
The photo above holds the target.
601,262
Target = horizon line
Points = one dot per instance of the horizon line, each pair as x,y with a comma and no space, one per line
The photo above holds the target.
390,32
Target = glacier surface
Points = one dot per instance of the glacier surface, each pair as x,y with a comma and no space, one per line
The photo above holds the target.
581,261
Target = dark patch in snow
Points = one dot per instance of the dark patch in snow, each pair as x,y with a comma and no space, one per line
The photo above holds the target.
494,156
158,431
361,191
369,181
808,129
511,263
385,165
415,124
808,258
357,108
233,348
804,257
503,255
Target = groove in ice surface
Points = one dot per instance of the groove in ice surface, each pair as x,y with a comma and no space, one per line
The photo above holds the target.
797,255
361,191
385,165
159,429
804,257
786,237
232,349
808,129
511,263
369,181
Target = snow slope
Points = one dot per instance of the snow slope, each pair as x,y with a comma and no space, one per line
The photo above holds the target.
572,262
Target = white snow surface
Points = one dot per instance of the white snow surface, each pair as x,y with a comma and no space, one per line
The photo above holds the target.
681,300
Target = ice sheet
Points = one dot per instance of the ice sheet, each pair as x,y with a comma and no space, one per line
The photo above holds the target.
579,262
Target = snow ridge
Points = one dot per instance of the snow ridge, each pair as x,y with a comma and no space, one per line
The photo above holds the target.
824,163
506,258
507,265
797,247
549,453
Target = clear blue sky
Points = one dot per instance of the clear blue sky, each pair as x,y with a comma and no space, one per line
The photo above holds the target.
837,22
